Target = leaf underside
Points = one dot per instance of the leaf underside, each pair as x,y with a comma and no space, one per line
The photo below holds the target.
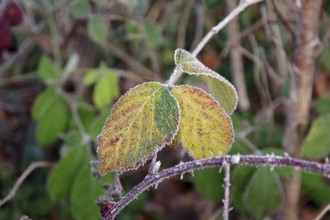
205,129
142,122
222,90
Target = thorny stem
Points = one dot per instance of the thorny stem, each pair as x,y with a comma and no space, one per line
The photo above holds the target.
265,160
227,191
241,7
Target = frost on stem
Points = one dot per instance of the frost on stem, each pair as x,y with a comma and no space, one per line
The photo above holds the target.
277,161
235,159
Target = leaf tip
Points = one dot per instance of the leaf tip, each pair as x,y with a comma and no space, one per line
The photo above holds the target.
179,55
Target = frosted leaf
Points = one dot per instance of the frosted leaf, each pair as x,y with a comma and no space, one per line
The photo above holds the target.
219,87
141,123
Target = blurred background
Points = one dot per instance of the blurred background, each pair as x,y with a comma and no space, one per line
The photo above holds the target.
64,63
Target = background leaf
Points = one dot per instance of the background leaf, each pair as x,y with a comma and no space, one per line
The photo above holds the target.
325,57
85,191
219,87
106,89
60,180
91,77
263,195
42,103
205,128
209,183
97,28
240,176
142,121
79,8
53,118
317,187
153,34
317,143
323,106
97,124
47,70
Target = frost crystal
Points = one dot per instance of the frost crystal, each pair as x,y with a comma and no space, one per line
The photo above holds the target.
181,176
235,159
156,167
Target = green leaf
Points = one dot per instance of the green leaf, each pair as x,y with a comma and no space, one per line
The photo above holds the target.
100,2
60,180
325,57
79,9
323,106
317,143
91,77
47,70
209,183
219,87
241,175
137,128
97,124
137,7
54,120
85,191
98,28
316,187
205,128
106,89
43,103
86,113
72,139
153,34
263,195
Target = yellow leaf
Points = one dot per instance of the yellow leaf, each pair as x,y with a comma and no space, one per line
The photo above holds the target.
142,122
205,129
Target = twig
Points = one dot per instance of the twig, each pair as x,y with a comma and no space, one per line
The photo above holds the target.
236,61
130,61
183,25
282,18
269,160
17,78
25,174
199,23
242,5
227,191
323,212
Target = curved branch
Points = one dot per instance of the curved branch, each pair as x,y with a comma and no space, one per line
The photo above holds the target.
20,180
270,160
